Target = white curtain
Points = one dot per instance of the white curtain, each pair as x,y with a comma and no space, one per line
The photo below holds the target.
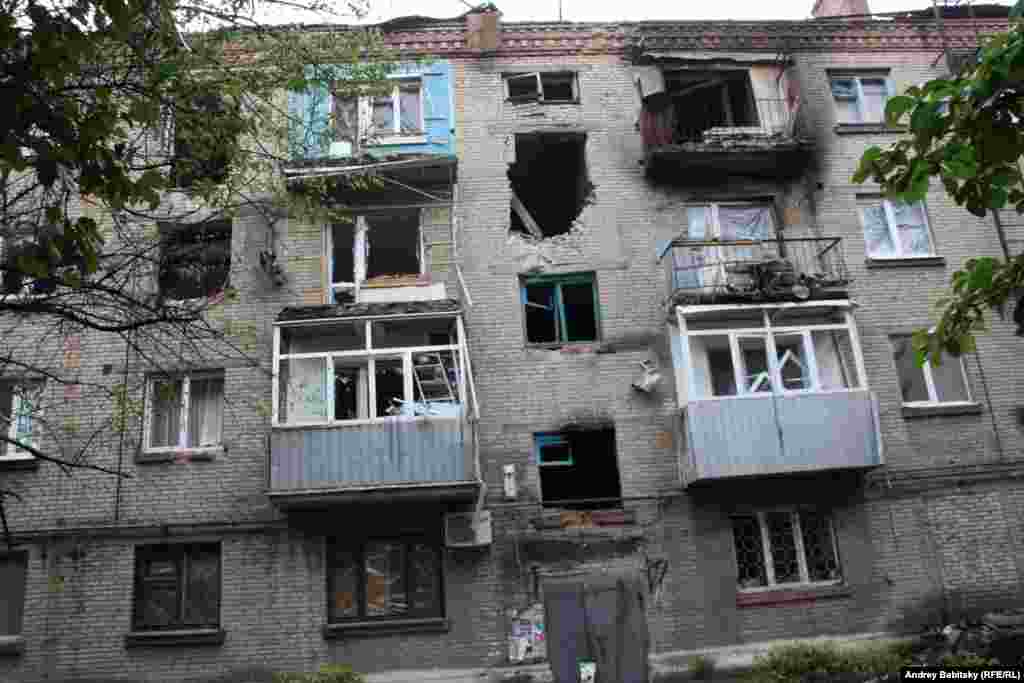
206,411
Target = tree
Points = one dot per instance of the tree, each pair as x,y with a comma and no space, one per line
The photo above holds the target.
107,106
967,131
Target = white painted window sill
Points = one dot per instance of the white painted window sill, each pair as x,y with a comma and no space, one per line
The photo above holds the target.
901,261
397,140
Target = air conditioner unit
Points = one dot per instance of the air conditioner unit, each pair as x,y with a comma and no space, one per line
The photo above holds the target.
467,529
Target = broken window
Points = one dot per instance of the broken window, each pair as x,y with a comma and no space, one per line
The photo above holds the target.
860,98
560,309
384,579
330,373
177,586
557,86
710,99
807,357
380,249
578,468
13,567
203,151
784,547
185,412
20,415
195,259
928,383
549,182
378,119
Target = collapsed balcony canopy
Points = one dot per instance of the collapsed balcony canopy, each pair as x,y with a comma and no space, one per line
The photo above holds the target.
367,310
549,181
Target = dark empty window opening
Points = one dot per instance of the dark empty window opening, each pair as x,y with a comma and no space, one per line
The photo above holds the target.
578,468
557,86
560,309
195,259
710,99
393,247
205,139
549,181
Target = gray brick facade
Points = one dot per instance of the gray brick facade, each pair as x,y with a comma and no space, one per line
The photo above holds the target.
937,530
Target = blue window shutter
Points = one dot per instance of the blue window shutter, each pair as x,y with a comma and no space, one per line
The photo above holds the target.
309,115
437,114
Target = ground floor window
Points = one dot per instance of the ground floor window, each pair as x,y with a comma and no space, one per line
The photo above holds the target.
578,468
384,579
12,592
783,547
177,586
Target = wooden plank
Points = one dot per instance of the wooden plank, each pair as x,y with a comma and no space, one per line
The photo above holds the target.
526,218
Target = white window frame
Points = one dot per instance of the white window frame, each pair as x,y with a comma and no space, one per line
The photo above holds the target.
890,220
183,405
370,354
856,78
539,77
929,381
768,331
361,246
11,451
373,138
801,553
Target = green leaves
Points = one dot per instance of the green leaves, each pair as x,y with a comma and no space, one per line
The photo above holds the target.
896,107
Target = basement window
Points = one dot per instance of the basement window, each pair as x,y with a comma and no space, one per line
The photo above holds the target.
785,548
560,309
550,185
559,86
578,468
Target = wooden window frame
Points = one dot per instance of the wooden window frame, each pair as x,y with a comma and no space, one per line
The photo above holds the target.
929,381
858,98
361,245
539,80
10,452
890,224
801,553
543,440
181,553
359,551
184,406
557,281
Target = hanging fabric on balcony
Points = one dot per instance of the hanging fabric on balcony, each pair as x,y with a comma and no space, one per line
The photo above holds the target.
745,222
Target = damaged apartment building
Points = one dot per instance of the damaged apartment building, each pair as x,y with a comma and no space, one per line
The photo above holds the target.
612,352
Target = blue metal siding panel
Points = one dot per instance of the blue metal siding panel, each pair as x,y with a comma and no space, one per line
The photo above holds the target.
394,453
768,435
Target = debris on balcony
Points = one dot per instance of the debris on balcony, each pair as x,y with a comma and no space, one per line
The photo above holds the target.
550,185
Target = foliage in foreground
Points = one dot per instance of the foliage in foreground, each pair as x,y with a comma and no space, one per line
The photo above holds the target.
328,673
790,663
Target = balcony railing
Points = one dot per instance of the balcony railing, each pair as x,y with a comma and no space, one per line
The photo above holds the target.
774,118
755,270
778,434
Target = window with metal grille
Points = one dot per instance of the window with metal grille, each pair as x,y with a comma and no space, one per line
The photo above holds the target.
782,548
177,586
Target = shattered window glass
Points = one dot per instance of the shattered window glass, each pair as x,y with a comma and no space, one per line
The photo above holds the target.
560,309
911,229
876,232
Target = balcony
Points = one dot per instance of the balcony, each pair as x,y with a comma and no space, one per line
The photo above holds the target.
701,141
372,402
753,271
780,434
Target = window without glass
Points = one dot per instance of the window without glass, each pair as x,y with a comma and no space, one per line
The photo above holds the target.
379,245
578,465
202,151
712,99
369,369
195,259
13,568
545,87
895,229
781,547
186,411
177,586
802,360
560,309
379,117
929,384
550,185
715,266
384,579
20,415
860,98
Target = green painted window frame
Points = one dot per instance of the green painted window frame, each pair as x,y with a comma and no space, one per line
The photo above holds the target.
558,281
543,440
